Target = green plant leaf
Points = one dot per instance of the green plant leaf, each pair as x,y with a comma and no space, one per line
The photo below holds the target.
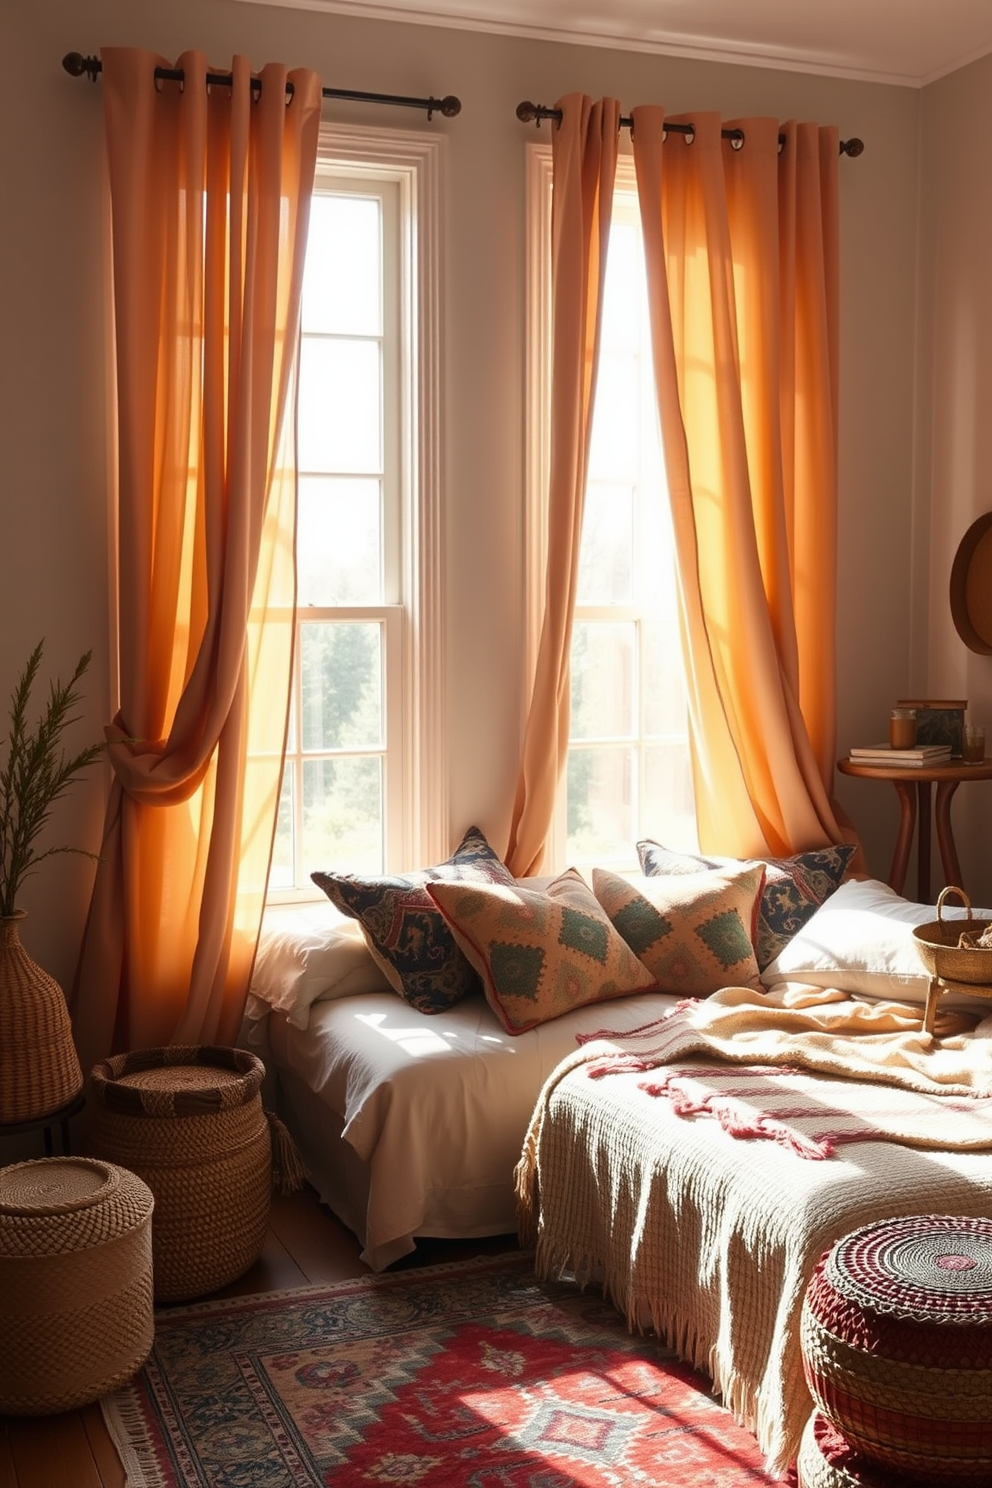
36,773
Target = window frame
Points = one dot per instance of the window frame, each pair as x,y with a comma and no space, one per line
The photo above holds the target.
416,774
539,175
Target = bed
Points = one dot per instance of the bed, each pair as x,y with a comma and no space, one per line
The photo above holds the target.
699,1181
411,1126
408,1024
414,1123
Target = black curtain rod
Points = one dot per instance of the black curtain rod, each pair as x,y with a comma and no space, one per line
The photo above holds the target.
76,64
533,113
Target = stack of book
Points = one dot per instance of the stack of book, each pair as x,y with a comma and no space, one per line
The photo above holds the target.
884,754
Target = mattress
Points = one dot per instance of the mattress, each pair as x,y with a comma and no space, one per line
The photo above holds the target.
411,1125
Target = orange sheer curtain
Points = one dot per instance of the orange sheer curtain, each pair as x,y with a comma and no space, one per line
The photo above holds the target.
583,172
741,248
210,191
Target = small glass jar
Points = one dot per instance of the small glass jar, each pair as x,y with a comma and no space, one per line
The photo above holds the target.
902,728
973,744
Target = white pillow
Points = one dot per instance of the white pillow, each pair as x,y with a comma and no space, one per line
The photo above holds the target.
310,953
861,940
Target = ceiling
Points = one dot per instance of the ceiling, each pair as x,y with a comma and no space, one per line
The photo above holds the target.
909,42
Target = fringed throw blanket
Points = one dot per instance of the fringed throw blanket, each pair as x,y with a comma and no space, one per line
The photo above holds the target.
642,1170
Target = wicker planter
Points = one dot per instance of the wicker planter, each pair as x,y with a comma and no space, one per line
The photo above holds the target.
75,1282
189,1121
39,1067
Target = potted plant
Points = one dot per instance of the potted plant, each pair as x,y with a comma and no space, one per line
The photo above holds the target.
39,1067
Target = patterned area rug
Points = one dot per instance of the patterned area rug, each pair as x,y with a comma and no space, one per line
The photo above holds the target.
467,1375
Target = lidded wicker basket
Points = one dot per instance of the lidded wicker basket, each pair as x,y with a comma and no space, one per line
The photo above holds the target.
937,943
75,1282
189,1120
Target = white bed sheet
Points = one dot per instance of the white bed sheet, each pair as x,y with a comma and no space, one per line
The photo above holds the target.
412,1125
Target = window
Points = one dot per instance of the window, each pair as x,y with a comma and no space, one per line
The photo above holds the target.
627,773
363,783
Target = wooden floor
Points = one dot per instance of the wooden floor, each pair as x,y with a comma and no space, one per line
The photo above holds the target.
306,1245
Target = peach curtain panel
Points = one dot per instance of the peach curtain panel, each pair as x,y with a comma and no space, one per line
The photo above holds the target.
741,248
210,192
583,172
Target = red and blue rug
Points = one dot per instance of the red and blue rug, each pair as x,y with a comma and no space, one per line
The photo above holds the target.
470,1375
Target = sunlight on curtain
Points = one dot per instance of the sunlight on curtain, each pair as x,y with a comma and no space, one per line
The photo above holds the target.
210,195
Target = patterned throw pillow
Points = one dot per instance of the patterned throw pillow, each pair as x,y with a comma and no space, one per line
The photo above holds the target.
794,887
406,933
540,953
695,934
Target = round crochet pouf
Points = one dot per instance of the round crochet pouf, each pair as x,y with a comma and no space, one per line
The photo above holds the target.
190,1121
827,1460
76,1315
896,1335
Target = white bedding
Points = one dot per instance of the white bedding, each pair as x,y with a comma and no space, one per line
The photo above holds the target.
412,1125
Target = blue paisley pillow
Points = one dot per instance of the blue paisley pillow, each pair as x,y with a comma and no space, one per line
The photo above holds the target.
794,887
406,932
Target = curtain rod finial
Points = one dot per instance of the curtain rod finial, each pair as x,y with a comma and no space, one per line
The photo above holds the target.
450,107
852,147
527,112
76,64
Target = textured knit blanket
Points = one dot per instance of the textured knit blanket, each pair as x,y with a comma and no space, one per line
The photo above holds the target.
634,1173
813,1028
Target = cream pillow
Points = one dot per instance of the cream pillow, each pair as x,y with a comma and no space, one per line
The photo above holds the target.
311,954
861,941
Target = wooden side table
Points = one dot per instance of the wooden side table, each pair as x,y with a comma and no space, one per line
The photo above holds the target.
914,807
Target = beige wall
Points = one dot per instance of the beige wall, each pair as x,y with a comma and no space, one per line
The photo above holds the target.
954,398
53,415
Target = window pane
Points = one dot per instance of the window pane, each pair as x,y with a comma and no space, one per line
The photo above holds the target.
342,815
614,450
668,810
625,289
342,288
663,679
606,550
339,541
340,406
600,807
281,871
341,664
602,679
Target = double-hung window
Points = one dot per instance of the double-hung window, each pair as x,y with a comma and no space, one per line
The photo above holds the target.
627,773
363,782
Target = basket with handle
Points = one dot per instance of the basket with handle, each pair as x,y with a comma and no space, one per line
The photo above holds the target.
941,951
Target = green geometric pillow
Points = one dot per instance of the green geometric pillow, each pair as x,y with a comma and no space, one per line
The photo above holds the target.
794,887
539,953
405,932
693,932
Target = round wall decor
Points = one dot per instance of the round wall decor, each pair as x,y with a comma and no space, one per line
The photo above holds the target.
971,586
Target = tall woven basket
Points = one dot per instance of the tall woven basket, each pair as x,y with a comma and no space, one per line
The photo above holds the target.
39,1067
189,1121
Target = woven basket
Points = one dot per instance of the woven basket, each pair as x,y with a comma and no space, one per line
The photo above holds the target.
896,1335
75,1282
190,1121
937,943
39,1067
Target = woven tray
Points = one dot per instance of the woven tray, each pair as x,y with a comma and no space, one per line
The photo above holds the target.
937,943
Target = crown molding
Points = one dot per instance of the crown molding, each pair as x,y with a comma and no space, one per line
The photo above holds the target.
617,34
